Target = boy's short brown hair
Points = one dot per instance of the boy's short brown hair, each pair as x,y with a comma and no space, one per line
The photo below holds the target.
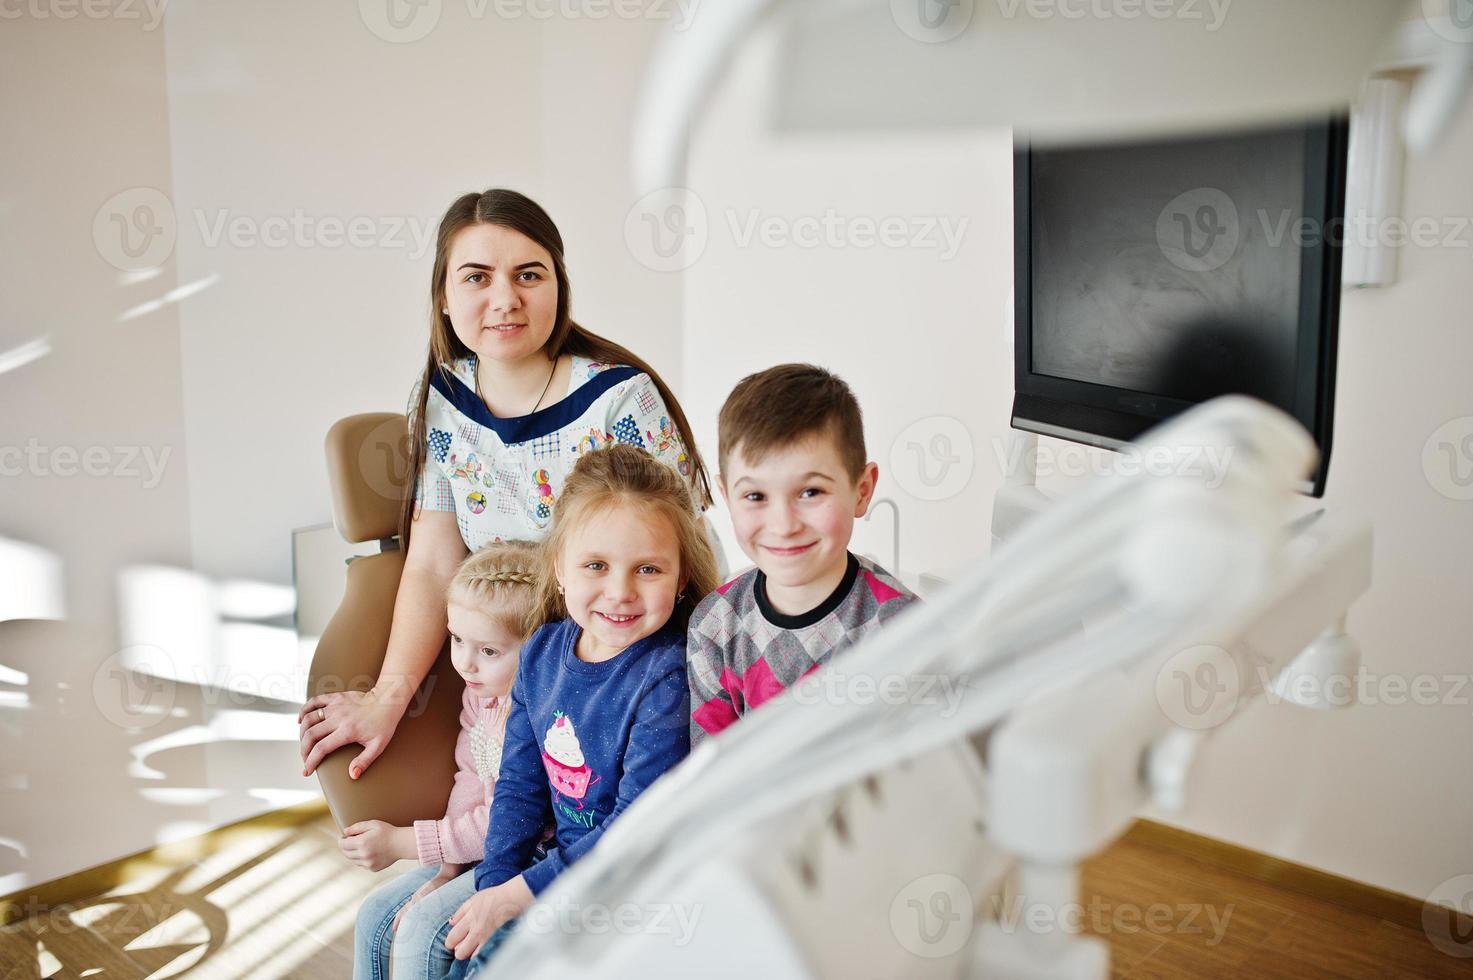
775,408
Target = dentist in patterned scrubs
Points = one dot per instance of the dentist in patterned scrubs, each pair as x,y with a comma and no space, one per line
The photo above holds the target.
513,391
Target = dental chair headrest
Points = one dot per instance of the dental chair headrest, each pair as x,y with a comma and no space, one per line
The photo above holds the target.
368,470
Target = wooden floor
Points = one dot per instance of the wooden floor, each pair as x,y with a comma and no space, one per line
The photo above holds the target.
1165,915
283,903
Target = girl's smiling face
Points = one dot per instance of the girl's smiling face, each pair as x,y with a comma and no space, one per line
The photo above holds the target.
501,292
620,573
483,651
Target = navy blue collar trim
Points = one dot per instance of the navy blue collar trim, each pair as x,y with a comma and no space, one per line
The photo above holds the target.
524,428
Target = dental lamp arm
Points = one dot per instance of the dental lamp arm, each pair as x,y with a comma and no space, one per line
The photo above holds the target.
990,632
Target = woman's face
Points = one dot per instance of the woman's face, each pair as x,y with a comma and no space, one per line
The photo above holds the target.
500,292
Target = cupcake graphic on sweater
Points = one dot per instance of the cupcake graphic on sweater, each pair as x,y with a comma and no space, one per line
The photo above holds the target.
563,758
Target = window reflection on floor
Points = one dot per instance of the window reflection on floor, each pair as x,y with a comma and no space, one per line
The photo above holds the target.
31,582
276,903
179,718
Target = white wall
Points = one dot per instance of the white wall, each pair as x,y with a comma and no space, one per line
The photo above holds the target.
84,110
280,108
1384,792
106,382
918,332
237,115
1380,794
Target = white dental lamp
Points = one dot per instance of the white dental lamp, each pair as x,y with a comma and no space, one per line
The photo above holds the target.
821,837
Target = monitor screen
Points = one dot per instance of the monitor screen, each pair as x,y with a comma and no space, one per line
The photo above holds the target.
1153,276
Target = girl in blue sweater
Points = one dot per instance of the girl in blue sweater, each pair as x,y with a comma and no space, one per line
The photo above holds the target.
600,708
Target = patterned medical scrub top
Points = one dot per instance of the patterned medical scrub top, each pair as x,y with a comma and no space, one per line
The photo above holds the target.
502,476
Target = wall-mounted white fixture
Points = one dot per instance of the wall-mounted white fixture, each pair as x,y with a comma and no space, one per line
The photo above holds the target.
1444,86
894,568
1373,183
1437,50
878,65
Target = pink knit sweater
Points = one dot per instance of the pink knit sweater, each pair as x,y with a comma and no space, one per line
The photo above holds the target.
459,836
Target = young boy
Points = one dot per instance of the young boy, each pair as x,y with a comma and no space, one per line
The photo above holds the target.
794,476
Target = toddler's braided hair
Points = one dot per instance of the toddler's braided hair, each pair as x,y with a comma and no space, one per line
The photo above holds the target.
500,580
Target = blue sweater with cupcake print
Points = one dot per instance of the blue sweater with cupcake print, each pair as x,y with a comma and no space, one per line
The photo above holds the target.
583,740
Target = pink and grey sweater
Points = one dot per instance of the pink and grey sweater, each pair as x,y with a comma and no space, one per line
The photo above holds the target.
741,652
460,836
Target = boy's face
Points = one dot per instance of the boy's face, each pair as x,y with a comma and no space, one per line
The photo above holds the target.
793,513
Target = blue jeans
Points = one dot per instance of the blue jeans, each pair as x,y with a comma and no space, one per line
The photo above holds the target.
475,966
418,948
462,969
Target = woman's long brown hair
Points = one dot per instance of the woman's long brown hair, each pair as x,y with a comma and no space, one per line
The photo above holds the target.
520,213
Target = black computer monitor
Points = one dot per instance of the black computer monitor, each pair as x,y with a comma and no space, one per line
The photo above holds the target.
1151,276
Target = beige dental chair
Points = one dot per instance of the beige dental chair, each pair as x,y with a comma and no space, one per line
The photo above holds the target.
411,780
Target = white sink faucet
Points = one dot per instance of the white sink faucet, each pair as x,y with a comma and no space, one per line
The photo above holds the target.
895,551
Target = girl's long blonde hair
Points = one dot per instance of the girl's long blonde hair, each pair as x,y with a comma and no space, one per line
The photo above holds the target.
501,580
624,474
520,213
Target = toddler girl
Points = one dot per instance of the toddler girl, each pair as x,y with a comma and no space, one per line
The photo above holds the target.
489,606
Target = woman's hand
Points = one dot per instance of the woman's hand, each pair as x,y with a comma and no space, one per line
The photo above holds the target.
330,721
375,845
485,912
446,874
